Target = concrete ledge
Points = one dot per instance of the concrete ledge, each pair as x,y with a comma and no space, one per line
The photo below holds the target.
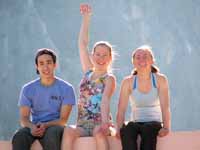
187,140
6,145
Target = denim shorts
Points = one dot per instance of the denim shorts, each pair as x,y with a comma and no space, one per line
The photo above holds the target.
88,127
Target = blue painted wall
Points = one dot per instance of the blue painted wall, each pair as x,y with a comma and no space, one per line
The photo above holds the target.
171,27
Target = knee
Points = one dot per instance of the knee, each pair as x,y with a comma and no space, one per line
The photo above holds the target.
148,137
54,132
149,134
100,136
20,137
69,133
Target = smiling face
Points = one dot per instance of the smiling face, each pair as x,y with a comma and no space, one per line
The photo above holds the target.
45,66
142,59
101,57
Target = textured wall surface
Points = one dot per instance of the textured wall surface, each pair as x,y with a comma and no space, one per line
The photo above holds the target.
170,27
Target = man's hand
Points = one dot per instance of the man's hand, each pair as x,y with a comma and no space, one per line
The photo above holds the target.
38,129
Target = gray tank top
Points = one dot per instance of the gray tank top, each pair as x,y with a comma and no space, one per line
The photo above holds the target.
145,106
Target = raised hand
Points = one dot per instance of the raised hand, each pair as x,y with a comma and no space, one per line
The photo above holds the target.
85,9
86,63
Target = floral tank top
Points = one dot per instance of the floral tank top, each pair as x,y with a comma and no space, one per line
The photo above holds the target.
89,102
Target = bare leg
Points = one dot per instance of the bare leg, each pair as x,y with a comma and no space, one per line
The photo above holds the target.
69,136
101,140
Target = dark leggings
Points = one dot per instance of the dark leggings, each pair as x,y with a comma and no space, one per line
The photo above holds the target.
23,139
148,132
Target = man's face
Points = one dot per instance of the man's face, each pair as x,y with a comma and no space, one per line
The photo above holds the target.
45,66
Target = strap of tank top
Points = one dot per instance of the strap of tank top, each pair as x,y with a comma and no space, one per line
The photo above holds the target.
134,83
153,81
88,73
103,77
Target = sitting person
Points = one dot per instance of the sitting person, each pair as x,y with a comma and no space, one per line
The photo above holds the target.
45,105
148,91
96,89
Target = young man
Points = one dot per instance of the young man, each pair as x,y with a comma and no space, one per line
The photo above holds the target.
45,105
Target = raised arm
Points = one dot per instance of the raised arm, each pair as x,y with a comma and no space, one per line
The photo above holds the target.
86,63
165,105
123,102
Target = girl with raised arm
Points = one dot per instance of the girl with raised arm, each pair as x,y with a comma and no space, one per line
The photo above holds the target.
96,88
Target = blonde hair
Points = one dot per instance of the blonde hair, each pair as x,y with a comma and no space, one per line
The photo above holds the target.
111,51
154,68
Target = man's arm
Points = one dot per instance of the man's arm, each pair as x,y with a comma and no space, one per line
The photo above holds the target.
25,121
67,103
64,116
24,117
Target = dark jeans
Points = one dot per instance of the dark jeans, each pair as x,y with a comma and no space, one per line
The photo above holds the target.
23,139
147,130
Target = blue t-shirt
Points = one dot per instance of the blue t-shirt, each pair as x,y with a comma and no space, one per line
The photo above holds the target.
45,102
